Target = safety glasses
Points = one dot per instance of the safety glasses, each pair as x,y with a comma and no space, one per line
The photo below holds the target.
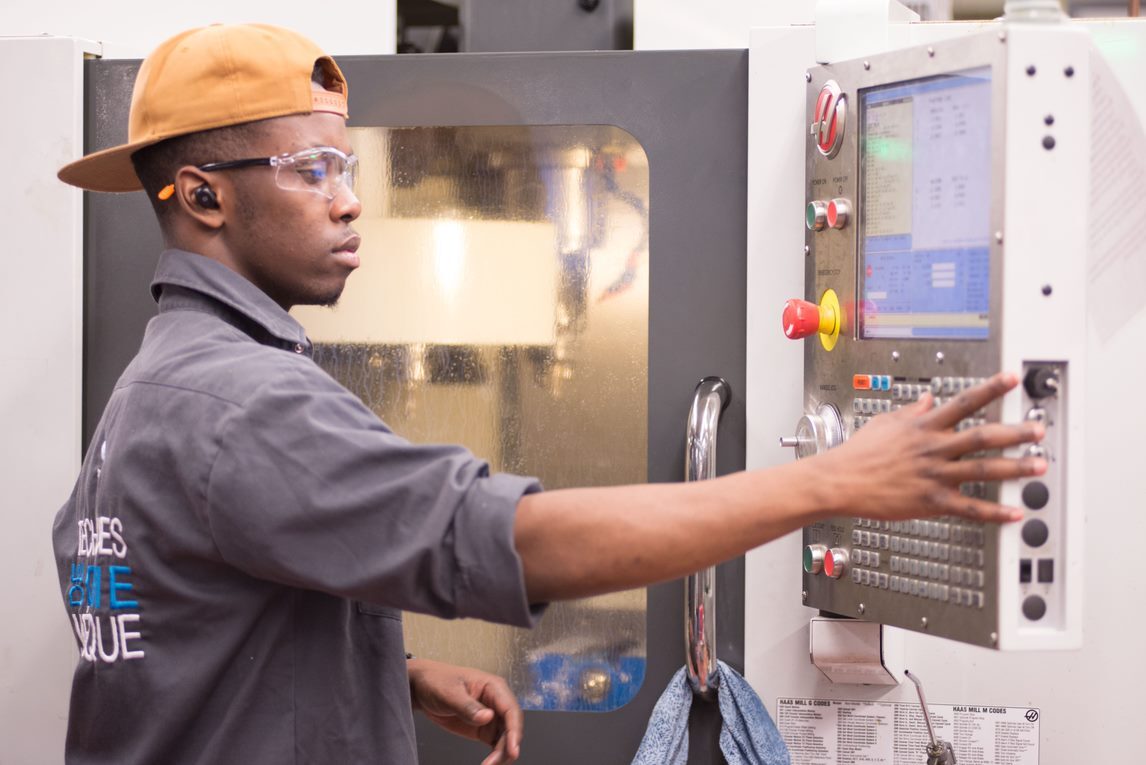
322,170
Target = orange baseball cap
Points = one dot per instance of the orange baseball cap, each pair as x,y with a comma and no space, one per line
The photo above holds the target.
212,77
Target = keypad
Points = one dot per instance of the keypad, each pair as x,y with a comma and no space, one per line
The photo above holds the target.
938,559
902,391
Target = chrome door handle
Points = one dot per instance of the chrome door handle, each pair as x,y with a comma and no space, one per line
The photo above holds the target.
710,398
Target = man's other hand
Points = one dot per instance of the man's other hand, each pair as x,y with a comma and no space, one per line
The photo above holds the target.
469,703
906,464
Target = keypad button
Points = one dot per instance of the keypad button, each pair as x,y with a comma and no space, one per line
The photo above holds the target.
856,575
1034,608
855,536
1036,495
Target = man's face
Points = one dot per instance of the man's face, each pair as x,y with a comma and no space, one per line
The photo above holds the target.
295,245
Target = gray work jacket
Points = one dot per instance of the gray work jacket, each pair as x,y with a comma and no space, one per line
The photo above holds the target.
242,537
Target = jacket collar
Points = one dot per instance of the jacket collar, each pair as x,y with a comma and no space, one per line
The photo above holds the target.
207,283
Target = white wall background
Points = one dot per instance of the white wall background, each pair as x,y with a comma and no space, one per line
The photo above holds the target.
131,28
41,302
40,310
686,24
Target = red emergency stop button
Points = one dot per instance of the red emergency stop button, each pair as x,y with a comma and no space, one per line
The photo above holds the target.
801,319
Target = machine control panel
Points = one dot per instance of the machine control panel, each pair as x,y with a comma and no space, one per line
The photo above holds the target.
906,292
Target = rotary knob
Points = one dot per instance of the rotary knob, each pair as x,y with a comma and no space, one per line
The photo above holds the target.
816,433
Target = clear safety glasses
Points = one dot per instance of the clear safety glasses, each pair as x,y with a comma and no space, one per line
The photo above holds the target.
322,170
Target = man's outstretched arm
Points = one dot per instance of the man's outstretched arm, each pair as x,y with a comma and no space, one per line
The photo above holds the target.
579,542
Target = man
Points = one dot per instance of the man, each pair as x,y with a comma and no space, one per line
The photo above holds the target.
244,531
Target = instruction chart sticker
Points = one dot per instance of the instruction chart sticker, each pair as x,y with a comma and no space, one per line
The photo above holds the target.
836,732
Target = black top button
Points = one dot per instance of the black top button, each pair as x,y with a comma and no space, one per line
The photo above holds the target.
1035,533
1036,495
1034,608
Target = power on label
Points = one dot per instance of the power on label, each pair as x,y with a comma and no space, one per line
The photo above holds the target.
834,732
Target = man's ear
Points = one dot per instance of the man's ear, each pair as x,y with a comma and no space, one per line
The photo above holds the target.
198,196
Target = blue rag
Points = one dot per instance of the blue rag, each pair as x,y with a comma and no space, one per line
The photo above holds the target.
747,736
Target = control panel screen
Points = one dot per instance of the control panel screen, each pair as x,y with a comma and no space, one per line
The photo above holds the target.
925,201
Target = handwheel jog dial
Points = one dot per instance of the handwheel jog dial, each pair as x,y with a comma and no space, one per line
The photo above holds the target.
816,433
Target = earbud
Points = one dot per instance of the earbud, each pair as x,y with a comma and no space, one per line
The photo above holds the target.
205,197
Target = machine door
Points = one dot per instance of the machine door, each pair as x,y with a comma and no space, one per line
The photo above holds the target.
585,214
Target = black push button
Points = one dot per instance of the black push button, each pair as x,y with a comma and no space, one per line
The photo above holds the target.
1035,533
1046,570
1034,608
1025,571
1036,495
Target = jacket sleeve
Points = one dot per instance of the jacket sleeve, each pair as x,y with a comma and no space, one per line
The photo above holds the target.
310,489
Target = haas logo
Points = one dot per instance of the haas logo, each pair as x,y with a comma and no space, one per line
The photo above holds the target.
828,120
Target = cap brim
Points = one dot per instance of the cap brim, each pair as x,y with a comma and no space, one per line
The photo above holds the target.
107,170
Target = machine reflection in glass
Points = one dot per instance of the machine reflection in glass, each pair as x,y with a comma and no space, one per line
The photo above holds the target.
502,303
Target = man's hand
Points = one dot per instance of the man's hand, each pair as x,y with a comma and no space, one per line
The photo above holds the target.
906,464
469,703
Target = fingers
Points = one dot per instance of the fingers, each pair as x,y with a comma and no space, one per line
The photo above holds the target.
989,469
990,437
498,695
499,755
970,401
951,502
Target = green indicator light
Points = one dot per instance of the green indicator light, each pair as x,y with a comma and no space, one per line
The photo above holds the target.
808,559
810,215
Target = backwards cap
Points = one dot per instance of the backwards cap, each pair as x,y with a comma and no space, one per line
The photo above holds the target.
209,78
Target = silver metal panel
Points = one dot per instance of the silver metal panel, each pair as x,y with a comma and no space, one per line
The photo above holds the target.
833,263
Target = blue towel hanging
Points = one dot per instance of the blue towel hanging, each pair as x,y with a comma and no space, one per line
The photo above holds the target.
747,735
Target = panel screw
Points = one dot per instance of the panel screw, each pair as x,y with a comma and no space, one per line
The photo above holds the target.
866,65
999,237
1048,142
1031,70
939,356
807,76
1002,36
895,355
1047,290
930,51
1069,71
807,249
804,596
994,638
861,608
1049,120
923,622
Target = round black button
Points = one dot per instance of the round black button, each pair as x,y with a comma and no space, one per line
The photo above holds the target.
1035,533
1034,608
1036,495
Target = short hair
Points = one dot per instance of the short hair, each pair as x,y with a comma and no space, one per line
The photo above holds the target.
157,164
